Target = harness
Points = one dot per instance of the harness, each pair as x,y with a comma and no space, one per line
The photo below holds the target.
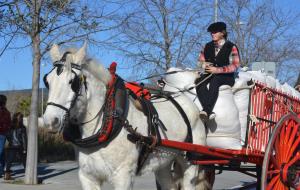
109,128
111,125
114,115
148,143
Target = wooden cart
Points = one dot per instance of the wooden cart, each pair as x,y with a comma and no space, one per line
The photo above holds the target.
272,142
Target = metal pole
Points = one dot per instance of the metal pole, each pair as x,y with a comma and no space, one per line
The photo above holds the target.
216,11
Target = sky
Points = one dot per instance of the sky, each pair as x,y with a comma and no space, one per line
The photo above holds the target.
16,65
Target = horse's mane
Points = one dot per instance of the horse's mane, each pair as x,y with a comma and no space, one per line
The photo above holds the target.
93,67
97,70
88,64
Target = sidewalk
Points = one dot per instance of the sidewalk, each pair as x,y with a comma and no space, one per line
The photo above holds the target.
64,176
54,176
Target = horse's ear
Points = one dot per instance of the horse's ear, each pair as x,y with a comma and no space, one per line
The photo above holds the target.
80,54
55,53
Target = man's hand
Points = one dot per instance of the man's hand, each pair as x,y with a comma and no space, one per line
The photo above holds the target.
211,69
204,64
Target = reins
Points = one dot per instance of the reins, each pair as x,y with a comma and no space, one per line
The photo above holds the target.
190,88
97,114
174,72
168,73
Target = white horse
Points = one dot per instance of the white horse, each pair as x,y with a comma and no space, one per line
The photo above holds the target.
116,163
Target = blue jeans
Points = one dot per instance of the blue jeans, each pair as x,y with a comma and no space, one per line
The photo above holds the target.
2,157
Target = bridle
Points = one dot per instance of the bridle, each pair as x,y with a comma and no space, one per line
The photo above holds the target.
76,83
111,123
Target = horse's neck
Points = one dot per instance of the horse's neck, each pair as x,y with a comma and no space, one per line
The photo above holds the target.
95,99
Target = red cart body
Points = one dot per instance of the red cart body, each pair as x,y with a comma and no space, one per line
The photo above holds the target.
272,141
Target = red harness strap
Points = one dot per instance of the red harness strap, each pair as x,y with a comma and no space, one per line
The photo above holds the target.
110,106
138,90
110,103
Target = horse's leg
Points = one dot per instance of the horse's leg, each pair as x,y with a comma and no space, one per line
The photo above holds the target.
209,177
164,178
193,176
177,173
122,180
202,181
87,183
185,174
197,178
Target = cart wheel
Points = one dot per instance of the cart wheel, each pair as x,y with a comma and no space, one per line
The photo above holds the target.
281,165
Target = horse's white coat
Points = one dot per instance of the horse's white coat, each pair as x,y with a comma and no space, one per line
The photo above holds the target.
117,162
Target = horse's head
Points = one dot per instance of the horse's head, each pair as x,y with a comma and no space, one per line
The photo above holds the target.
65,83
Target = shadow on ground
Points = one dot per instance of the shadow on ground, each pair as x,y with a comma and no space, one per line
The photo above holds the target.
44,172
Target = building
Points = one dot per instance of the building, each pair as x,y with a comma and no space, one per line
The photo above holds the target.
268,67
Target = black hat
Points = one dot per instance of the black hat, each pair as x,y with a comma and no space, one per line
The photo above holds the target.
217,27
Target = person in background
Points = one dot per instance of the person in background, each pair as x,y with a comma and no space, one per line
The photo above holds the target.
17,138
220,60
5,122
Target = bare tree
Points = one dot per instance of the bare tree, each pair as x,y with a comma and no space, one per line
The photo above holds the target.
39,23
263,32
159,34
18,101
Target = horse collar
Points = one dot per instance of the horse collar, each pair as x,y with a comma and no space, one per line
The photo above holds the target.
110,126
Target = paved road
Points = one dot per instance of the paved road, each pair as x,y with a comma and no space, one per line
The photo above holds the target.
63,176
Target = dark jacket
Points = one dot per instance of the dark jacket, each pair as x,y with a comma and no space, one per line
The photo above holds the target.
222,58
17,138
5,120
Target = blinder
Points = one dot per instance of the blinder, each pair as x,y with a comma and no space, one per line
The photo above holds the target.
75,83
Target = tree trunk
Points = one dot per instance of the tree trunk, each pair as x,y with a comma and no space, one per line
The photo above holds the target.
32,147
167,40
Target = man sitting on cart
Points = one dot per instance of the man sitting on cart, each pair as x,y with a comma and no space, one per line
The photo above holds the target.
220,59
